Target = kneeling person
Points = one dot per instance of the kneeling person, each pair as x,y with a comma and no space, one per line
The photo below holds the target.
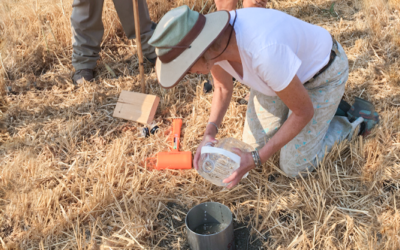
295,70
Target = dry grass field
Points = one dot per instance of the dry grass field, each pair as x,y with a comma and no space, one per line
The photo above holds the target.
72,176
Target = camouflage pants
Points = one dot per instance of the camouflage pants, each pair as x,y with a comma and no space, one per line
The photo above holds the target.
266,114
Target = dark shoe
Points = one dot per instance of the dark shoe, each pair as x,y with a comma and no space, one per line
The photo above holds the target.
82,75
207,86
366,110
152,60
343,108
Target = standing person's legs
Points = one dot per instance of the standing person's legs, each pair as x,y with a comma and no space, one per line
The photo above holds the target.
264,116
303,152
87,32
125,12
226,4
232,4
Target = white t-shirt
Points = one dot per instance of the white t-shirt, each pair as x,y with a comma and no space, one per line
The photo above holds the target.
274,47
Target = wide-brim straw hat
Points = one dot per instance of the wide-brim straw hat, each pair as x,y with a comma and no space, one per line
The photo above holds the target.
181,37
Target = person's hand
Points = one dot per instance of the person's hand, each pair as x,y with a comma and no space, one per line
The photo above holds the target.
206,139
246,164
255,3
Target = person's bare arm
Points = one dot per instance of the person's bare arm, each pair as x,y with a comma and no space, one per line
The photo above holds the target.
223,89
296,98
255,3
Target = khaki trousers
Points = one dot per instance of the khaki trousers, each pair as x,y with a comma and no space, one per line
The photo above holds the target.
266,114
88,29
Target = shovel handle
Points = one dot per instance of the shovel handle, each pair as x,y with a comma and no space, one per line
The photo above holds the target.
139,43
176,133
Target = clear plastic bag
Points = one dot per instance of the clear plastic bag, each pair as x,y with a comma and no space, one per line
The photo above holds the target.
218,162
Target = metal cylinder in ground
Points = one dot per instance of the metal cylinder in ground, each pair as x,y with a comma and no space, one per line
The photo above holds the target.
210,226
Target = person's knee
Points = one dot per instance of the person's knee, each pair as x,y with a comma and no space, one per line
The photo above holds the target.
294,165
294,170
250,140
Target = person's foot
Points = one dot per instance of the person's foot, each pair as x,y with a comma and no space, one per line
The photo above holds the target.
152,60
343,108
82,75
207,86
365,109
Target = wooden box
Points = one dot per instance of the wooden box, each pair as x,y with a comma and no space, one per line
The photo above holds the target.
136,107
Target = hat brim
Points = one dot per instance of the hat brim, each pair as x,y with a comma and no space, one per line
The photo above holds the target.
169,74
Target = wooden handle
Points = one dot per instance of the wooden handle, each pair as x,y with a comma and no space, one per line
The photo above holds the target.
138,43
176,133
